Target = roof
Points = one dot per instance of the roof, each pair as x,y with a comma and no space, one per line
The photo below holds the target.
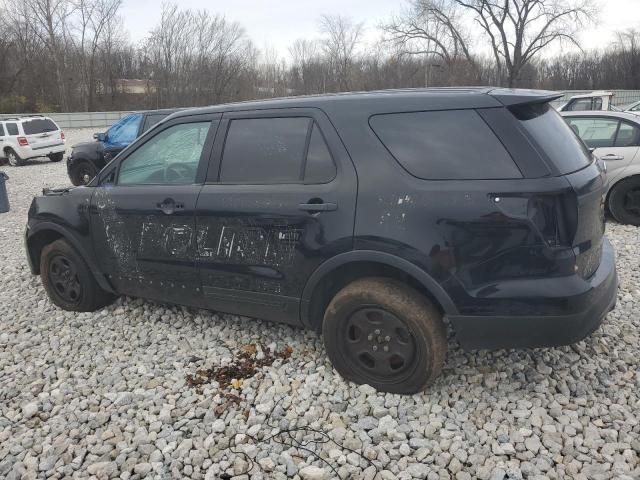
604,113
597,93
444,97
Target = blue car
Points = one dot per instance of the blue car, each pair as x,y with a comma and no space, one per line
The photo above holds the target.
88,158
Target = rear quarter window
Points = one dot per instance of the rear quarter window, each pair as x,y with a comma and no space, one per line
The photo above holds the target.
39,125
553,137
445,145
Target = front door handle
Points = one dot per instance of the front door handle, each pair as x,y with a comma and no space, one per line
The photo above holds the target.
318,207
169,206
612,156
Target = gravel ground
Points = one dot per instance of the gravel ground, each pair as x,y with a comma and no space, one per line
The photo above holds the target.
106,395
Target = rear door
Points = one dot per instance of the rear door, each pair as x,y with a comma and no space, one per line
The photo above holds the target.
614,141
143,212
41,133
279,200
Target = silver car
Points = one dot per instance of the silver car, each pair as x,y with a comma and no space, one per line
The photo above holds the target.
615,138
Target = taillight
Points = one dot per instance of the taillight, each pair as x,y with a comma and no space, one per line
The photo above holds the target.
61,135
23,142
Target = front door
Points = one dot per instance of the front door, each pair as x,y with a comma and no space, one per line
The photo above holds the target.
279,200
143,213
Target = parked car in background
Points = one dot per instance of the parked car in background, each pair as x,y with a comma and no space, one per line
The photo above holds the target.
87,159
615,138
26,137
633,108
599,100
368,217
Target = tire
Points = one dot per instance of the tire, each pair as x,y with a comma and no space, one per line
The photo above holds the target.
56,157
83,173
13,158
624,201
68,280
383,333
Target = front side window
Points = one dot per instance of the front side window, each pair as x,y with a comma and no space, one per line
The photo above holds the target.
125,131
445,145
275,150
595,132
171,157
12,129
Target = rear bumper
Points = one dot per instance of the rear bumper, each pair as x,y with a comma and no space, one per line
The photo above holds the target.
33,152
587,303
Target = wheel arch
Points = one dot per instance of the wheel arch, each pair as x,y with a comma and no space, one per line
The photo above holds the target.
629,173
337,272
45,233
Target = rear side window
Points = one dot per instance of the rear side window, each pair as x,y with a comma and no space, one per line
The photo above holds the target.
445,145
275,150
39,125
1,130
12,129
553,136
628,136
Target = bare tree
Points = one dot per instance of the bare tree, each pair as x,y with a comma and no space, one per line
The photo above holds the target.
518,30
431,28
94,20
49,19
341,40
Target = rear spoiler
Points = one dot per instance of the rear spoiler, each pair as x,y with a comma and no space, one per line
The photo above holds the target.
513,97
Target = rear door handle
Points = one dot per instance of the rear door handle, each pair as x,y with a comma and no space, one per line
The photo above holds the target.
611,156
318,207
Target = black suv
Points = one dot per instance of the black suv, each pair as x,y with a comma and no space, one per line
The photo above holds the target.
369,217
88,158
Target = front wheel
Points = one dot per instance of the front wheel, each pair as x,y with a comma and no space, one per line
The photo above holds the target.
13,158
56,157
383,333
83,173
624,201
68,280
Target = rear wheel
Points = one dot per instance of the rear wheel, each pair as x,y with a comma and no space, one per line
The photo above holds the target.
68,280
83,173
13,158
624,201
56,157
381,332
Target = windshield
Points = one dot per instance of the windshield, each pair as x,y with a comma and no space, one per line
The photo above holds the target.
125,131
554,137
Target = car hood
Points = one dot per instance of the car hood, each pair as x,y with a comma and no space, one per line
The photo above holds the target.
88,146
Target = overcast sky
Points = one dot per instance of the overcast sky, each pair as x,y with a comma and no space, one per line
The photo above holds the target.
277,23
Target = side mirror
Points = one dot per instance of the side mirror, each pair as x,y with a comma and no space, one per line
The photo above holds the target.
101,137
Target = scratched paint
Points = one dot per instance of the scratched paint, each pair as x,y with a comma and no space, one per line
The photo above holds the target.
116,233
249,245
